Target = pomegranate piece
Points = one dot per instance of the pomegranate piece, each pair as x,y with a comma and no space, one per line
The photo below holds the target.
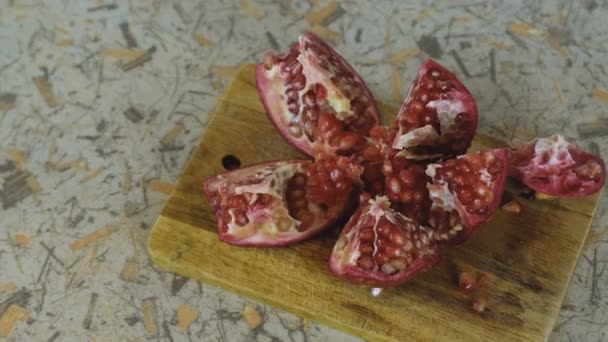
380,247
269,204
465,192
512,207
552,166
438,118
316,100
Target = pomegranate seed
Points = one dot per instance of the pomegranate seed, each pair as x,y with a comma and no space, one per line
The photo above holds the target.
240,218
466,280
293,107
384,228
392,183
372,153
365,262
407,177
378,133
295,130
399,263
284,224
388,268
416,107
348,141
364,198
270,60
299,179
512,207
366,235
306,217
423,97
321,93
393,251
300,203
381,258
479,304
366,248
397,237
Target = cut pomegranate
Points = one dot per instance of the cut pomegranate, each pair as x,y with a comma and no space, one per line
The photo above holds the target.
316,100
555,167
465,192
438,117
380,247
269,204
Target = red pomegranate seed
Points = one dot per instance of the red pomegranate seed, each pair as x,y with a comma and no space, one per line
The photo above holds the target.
466,280
365,261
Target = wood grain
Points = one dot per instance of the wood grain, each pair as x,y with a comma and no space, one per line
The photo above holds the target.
530,258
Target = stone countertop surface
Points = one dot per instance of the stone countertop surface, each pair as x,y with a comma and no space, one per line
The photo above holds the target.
102,103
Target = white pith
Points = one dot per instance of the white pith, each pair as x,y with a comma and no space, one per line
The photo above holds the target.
315,74
555,145
439,192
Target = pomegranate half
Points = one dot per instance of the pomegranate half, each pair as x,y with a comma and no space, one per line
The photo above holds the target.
268,204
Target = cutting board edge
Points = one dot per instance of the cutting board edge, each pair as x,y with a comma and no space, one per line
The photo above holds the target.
580,253
166,263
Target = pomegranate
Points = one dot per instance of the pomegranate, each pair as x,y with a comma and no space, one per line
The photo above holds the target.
272,203
380,247
315,99
465,192
555,167
438,118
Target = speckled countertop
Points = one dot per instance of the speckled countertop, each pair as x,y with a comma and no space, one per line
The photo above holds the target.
101,104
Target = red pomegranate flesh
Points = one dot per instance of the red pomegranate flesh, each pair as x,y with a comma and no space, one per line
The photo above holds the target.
438,118
380,247
274,203
405,186
555,167
465,192
315,99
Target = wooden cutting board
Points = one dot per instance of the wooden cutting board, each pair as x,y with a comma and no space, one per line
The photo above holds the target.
530,257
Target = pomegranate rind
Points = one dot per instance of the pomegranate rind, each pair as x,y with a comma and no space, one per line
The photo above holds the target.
471,222
261,230
343,259
545,165
459,100
270,89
